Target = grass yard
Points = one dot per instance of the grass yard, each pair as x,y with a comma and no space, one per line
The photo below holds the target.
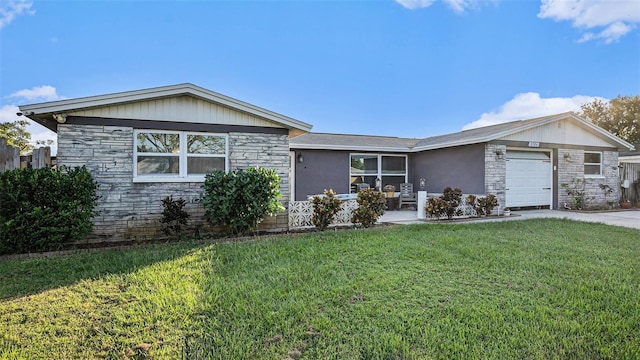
535,289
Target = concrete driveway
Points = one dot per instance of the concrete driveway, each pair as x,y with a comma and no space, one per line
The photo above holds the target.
627,218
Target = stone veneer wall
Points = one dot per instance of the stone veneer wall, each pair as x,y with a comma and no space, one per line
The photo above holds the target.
495,174
132,210
572,167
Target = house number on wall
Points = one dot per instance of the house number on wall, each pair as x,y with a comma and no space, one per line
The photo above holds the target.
534,144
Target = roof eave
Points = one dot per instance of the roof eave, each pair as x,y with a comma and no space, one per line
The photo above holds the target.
620,143
449,144
628,157
349,147
59,106
484,139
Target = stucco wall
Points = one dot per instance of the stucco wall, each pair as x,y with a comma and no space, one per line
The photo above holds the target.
461,167
321,169
132,210
571,166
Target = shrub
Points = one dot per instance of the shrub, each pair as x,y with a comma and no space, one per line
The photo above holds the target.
577,192
371,207
239,200
486,205
436,207
42,209
173,215
325,209
472,201
452,197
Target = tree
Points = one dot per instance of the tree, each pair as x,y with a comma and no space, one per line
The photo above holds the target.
620,116
16,135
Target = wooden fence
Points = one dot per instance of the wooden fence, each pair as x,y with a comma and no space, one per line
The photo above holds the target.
41,157
10,157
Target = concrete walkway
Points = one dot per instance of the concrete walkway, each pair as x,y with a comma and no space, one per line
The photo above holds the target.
627,218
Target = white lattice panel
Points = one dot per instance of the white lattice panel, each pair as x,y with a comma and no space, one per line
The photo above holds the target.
300,213
344,215
467,210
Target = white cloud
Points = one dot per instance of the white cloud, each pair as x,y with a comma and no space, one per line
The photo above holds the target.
616,17
587,37
8,113
415,4
459,6
37,131
615,31
12,8
528,106
44,93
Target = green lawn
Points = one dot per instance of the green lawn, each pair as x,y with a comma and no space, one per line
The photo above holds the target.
536,289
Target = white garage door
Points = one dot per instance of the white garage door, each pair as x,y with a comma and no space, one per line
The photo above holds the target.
528,180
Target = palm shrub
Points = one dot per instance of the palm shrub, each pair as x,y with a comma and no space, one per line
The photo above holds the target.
325,209
43,209
241,199
173,215
371,206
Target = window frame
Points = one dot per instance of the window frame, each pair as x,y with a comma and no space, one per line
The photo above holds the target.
379,173
599,174
182,155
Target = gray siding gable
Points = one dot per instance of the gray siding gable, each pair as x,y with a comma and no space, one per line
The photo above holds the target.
182,102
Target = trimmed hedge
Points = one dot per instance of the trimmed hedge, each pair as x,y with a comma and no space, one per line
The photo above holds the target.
239,200
41,209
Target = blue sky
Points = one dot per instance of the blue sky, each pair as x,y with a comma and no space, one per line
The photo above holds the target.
409,68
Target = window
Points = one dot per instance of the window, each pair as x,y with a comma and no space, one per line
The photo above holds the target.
177,155
592,163
366,168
